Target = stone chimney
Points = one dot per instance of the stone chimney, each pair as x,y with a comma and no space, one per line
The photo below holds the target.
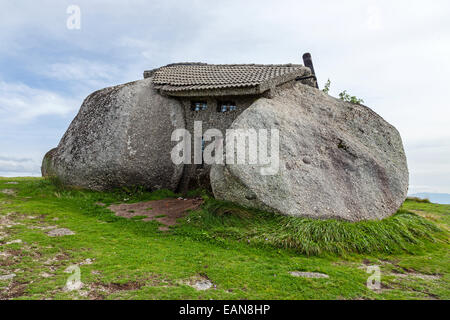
307,61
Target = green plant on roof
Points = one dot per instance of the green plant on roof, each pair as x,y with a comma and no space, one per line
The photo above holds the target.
344,96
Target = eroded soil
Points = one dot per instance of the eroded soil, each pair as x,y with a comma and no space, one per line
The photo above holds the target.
166,211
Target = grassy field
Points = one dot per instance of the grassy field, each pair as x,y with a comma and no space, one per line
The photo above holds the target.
245,254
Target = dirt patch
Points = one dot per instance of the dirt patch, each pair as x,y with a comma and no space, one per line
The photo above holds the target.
14,290
58,259
165,211
99,291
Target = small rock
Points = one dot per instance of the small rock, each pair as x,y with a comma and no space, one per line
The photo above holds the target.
9,192
60,232
12,182
87,261
46,275
202,285
5,254
7,277
14,241
308,274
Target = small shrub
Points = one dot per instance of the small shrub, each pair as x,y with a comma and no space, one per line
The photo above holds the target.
344,96
326,88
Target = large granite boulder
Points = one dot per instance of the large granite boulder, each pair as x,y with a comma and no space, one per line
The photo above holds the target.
337,160
121,137
47,168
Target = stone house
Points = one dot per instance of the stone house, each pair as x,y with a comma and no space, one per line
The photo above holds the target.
218,94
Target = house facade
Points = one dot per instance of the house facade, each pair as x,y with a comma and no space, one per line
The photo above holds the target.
218,94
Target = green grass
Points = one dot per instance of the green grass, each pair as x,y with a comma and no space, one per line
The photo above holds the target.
404,231
247,254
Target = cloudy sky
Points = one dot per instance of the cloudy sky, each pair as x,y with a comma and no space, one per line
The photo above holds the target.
393,54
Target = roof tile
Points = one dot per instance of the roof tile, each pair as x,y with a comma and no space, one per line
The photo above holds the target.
198,76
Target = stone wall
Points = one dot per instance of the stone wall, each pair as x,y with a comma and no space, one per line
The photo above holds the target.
197,176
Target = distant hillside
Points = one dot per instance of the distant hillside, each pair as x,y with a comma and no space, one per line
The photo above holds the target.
441,198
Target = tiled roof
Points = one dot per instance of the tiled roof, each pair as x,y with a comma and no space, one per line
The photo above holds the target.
198,76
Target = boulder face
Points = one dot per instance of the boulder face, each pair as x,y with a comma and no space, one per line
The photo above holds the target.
47,169
121,137
336,160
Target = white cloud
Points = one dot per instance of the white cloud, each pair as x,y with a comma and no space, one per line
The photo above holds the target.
80,69
11,165
81,74
20,103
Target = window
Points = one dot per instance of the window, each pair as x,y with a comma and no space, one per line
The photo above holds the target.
199,105
226,106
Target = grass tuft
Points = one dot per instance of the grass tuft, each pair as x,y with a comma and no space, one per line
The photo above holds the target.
419,200
218,220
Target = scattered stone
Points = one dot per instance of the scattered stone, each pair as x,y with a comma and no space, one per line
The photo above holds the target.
101,204
14,241
5,254
60,232
46,275
87,262
417,275
9,192
308,274
202,285
199,283
42,228
7,277
12,182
